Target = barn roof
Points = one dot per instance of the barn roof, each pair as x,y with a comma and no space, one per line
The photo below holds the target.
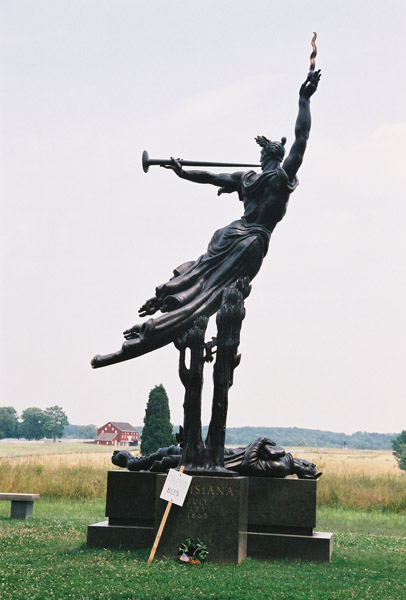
123,426
106,437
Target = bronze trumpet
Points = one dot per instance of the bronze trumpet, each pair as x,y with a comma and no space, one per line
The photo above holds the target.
148,162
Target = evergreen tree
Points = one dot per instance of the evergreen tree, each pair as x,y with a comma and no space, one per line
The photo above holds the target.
8,422
399,449
157,431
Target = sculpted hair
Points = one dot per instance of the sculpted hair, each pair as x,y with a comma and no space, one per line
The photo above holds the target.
272,149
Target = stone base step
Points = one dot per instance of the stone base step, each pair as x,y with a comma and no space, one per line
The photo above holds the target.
274,546
103,535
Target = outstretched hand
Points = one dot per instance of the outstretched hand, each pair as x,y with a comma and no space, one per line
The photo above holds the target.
150,307
174,166
308,88
132,332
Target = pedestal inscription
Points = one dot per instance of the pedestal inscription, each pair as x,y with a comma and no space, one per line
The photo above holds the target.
215,510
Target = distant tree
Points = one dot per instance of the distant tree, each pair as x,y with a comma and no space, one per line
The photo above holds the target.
32,423
399,449
88,432
8,422
55,422
157,431
80,431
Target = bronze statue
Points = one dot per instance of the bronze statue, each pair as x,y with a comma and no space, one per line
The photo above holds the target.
235,252
219,281
262,458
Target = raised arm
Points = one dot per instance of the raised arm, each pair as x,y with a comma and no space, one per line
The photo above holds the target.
227,182
294,159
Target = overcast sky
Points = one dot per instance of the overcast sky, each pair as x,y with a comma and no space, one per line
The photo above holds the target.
86,236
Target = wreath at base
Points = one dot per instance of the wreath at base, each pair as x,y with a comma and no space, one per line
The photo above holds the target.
192,552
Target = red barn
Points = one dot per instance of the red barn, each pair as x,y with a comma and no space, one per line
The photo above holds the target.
117,434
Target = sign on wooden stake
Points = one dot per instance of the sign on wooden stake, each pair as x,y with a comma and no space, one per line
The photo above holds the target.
175,489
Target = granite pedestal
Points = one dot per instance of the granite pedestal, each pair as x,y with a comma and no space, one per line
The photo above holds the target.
130,508
235,517
282,518
215,510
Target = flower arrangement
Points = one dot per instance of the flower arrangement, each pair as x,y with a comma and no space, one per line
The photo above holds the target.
192,552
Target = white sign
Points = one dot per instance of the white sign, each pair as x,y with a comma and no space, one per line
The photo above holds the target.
176,487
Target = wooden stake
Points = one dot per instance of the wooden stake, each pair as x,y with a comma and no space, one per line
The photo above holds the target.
162,525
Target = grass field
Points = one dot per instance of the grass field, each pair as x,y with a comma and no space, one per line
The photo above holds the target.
46,557
361,495
358,479
13,449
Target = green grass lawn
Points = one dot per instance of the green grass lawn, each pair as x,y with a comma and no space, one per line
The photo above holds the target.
46,557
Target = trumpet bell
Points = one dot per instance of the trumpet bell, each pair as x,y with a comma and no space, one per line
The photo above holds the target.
145,161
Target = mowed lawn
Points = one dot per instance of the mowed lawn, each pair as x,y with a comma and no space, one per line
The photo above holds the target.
46,556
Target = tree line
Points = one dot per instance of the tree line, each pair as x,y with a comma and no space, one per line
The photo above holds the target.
315,438
33,424
312,438
85,432
296,436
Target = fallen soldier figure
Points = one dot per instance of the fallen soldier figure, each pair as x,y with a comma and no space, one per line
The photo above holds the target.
262,458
